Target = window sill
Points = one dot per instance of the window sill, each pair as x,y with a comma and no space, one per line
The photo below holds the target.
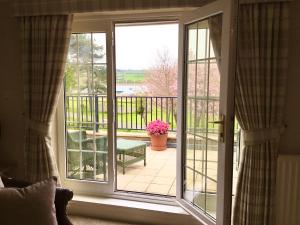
129,211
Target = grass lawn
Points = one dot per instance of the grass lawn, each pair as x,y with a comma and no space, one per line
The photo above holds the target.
130,76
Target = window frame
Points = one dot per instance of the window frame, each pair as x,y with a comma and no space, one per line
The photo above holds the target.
105,22
101,22
90,187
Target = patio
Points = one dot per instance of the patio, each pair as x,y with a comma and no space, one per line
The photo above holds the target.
159,174
157,177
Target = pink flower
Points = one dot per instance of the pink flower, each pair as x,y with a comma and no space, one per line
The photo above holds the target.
157,127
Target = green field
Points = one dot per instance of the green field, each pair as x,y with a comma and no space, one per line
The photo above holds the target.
130,76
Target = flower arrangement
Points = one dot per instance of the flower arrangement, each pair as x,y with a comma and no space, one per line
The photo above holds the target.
157,127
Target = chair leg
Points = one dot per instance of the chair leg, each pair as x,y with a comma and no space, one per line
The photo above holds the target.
123,163
145,156
104,166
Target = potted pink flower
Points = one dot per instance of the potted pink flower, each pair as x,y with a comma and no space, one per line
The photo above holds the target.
158,132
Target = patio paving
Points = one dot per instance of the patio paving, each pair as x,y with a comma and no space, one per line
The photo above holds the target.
157,177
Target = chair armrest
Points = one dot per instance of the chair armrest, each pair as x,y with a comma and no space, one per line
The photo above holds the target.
101,144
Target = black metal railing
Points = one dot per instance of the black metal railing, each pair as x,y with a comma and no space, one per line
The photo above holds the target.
132,112
135,112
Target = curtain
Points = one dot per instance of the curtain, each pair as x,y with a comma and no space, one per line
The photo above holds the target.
260,95
55,7
45,42
215,32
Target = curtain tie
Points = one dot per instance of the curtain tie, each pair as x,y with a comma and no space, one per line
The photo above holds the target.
39,127
259,136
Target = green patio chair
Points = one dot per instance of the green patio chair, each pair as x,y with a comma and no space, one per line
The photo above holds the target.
75,139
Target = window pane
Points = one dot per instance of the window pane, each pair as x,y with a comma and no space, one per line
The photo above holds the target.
86,109
99,48
71,81
73,49
73,158
100,79
84,48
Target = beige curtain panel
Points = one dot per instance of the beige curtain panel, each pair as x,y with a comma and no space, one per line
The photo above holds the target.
262,49
45,41
54,7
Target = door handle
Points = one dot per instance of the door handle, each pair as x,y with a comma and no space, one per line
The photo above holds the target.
221,123
217,122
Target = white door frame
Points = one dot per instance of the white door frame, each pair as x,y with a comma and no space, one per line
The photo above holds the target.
225,153
95,188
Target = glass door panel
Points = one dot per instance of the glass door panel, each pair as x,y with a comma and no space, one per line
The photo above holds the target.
86,107
202,98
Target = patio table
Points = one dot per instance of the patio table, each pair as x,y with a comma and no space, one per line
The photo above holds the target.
129,152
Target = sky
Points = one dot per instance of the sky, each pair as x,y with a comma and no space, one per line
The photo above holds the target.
137,46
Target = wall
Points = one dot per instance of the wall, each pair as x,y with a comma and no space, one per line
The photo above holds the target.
290,142
11,93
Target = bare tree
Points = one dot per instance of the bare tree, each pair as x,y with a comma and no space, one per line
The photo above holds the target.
161,80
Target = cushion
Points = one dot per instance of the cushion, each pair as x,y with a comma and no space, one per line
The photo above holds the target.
62,197
30,205
1,183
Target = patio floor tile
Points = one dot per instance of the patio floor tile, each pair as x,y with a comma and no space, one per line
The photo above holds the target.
158,189
138,187
163,180
143,179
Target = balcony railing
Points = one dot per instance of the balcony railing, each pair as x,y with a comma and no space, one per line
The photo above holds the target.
135,112
132,112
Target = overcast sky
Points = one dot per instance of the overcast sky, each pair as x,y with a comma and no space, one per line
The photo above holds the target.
137,46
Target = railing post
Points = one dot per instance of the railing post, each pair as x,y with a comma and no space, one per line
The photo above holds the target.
97,112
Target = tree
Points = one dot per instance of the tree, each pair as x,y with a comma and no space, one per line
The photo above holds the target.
161,80
80,75
70,81
81,47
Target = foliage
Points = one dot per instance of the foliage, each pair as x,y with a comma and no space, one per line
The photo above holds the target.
70,80
100,80
141,106
81,54
82,44
157,127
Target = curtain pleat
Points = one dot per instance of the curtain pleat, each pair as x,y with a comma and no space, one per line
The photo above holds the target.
260,95
45,41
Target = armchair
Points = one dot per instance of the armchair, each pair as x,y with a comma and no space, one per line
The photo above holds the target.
93,153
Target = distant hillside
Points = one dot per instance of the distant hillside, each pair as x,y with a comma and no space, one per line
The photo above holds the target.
130,76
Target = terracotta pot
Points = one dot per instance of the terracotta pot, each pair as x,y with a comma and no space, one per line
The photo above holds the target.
159,142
